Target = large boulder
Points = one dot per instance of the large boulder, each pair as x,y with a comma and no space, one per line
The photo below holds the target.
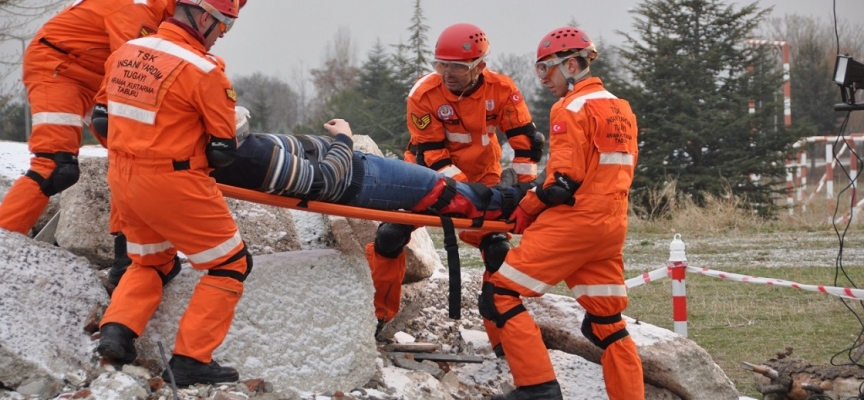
49,295
85,210
305,322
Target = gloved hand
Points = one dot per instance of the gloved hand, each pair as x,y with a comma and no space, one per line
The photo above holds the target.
522,219
221,152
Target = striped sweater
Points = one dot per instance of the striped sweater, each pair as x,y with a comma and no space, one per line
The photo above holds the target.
280,164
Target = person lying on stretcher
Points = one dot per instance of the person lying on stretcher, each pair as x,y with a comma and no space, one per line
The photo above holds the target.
327,169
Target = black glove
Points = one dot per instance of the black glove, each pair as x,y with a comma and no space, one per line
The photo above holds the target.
99,120
221,152
560,192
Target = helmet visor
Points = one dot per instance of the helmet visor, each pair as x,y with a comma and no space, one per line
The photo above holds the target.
455,68
225,22
542,68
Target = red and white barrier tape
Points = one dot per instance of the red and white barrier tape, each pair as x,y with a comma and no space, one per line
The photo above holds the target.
847,293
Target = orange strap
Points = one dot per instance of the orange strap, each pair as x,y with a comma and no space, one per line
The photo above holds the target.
398,217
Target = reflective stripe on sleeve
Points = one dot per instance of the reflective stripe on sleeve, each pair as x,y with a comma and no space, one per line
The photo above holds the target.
217,252
525,168
616,158
458,137
176,51
147,249
450,171
524,280
599,290
134,113
57,118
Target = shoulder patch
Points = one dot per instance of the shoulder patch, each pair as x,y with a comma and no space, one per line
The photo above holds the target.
421,122
558,127
146,31
231,95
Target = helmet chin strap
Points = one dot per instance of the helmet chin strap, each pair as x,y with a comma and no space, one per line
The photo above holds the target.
572,80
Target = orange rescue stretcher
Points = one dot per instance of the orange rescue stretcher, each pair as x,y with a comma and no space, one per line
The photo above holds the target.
448,224
397,217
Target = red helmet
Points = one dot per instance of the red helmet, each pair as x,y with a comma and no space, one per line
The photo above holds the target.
567,38
461,42
229,8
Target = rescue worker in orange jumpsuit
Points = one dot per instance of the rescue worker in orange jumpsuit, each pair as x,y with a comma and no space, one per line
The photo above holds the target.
452,115
63,69
170,110
579,231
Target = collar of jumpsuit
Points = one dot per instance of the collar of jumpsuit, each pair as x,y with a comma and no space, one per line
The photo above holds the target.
177,25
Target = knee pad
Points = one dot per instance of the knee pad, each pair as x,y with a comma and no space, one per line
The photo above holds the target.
243,252
175,270
494,249
487,308
391,239
64,175
589,333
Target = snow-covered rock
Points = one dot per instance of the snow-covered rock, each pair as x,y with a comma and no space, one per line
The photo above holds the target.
47,296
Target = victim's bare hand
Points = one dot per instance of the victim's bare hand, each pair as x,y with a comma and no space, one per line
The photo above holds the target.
336,126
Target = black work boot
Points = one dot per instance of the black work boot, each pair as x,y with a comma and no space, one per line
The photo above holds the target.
544,391
116,343
379,327
188,371
121,260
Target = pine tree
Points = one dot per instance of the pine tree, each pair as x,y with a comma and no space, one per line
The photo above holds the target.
412,59
691,89
417,42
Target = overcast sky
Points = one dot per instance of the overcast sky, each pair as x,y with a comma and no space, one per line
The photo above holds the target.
284,37
277,36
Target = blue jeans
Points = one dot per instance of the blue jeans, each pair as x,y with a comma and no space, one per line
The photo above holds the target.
392,184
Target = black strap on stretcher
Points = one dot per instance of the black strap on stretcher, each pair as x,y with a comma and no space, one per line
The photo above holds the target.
454,266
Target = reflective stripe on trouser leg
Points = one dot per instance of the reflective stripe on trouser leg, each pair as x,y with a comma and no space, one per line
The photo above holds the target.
387,277
199,224
25,201
208,317
137,296
522,342
59,103
601,292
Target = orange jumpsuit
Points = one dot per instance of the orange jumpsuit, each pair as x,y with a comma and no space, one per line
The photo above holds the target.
166,97
455,135
63,68
592,141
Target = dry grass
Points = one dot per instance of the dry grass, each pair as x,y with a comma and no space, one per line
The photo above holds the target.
738,322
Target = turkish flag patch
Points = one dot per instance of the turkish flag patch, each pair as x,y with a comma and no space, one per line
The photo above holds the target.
516,98
558,127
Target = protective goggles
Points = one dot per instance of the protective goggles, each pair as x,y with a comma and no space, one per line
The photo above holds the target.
225,22
455,68
542,68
